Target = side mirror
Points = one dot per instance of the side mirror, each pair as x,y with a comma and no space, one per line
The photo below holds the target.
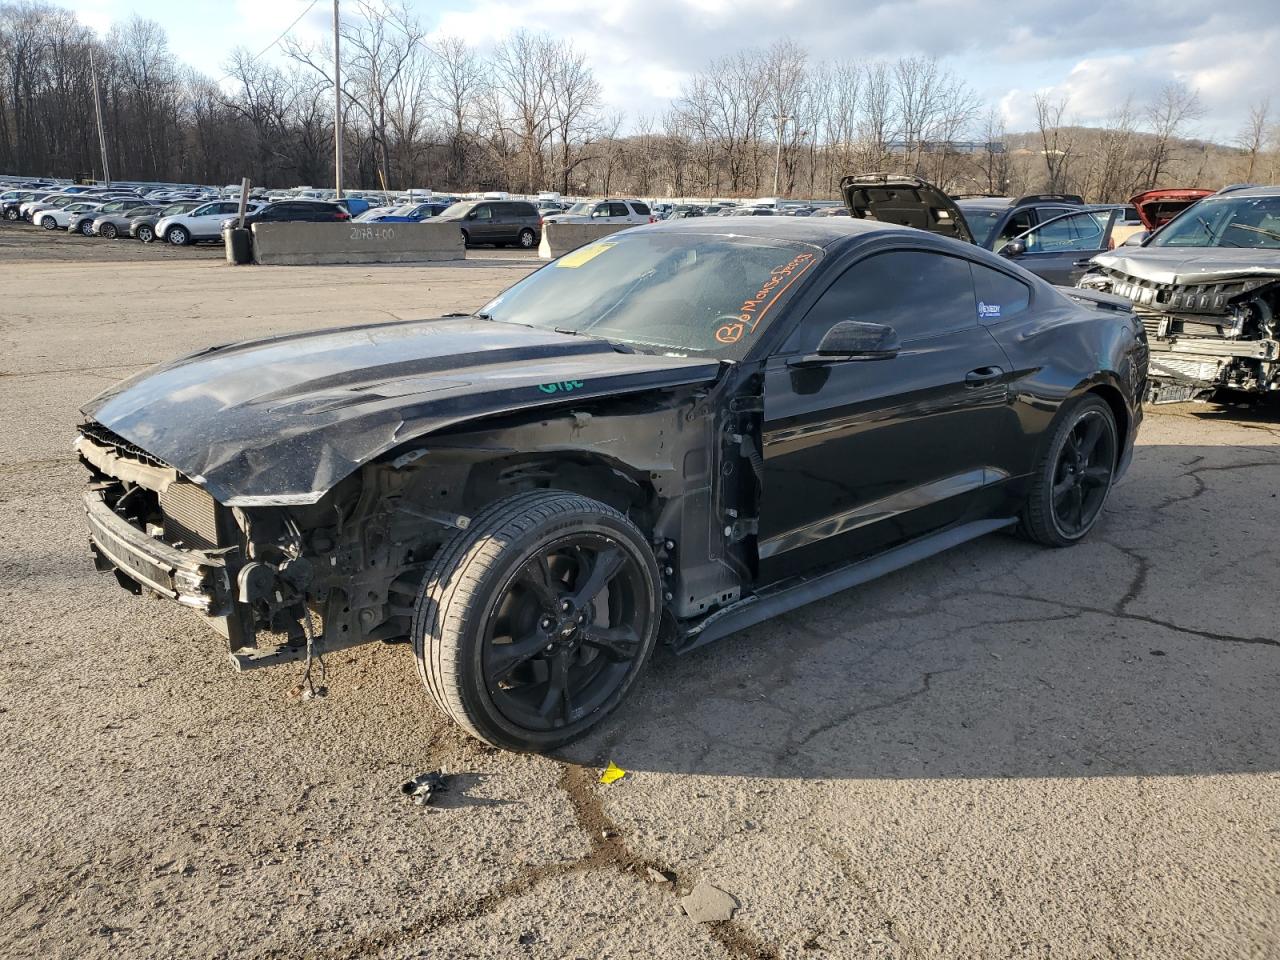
1014,248
1135,240
473,214
854,340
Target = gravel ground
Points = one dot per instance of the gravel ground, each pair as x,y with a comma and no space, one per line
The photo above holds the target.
1002,752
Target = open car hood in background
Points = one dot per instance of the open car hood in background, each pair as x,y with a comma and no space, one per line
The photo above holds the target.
905,200
1158,207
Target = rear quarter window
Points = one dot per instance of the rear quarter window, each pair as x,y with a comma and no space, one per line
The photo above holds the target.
999,295
640,208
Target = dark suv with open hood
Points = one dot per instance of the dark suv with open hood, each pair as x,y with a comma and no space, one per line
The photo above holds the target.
1207,288
910,201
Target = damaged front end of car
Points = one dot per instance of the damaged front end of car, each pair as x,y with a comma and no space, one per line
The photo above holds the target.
1213,328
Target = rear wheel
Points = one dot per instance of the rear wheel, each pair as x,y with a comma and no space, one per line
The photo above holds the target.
146,234
534,622
1073,477
108,230
526,238
178,236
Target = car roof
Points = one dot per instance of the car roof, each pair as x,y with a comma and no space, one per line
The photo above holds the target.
823,232
1269,191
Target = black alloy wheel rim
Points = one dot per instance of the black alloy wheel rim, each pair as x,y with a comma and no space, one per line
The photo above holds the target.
563,633
1082,474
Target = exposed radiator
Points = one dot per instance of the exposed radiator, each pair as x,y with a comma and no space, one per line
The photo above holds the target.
190,516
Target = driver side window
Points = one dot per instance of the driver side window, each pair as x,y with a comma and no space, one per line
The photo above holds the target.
1080,231
920,294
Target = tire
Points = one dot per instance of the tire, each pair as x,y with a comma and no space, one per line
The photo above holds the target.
466,239
178,236
146,234
1074,474
109,231
12,214
85,227
527,239
49,223
519,564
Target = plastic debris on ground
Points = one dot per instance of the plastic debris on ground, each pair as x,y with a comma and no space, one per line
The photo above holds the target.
425,786
612,773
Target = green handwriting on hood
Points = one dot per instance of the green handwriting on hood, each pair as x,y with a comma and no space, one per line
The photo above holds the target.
563,386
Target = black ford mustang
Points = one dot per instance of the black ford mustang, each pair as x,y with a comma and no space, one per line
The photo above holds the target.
673,433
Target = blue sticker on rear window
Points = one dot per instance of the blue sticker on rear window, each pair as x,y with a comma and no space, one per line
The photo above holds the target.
988,309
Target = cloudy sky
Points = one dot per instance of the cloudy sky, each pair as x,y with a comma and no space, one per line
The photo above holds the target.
1098,52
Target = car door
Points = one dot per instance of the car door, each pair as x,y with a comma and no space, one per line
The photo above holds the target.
860,455
1060,250
209,223
480,225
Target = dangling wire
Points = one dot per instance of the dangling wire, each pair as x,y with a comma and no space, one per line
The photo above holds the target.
312,690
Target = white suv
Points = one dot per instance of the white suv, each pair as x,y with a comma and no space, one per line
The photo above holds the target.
604,211
202,223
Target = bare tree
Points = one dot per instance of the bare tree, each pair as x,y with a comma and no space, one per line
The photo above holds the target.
1168,115
523,65
574,97
458,92
1056,141
1253,137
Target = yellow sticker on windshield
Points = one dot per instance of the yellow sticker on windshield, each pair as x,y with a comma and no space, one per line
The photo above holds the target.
576,258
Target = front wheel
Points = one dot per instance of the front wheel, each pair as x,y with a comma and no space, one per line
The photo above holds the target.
1074,474
533,623
12,214
146,234
466,239
526,239
86,228
49,223
107,230
178,236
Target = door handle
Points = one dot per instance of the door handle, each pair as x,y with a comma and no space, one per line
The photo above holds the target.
983,375
1082,263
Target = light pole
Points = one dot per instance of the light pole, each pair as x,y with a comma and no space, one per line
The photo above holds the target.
337,107
781,120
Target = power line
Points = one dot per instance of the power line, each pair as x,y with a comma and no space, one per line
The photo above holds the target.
283,34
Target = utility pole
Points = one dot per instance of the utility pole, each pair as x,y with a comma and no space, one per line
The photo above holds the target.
97,111
781,120
337,105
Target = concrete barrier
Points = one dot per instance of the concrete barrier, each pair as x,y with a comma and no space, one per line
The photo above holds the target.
309,243
559,238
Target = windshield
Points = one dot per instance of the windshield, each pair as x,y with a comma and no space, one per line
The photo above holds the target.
456,212
1228,222
581,209
982,222
663,292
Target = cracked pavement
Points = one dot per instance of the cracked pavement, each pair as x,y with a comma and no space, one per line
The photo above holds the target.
1004,751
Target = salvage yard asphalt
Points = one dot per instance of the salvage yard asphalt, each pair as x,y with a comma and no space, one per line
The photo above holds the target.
1005,751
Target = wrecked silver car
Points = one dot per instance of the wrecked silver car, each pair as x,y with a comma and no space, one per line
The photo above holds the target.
1207,288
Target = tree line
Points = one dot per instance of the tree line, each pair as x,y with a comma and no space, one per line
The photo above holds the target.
529,115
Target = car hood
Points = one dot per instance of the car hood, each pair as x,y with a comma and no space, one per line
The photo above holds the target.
1158,207
282,420
906,201
1191,265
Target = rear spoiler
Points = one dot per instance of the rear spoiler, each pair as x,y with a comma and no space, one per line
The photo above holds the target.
1097,299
